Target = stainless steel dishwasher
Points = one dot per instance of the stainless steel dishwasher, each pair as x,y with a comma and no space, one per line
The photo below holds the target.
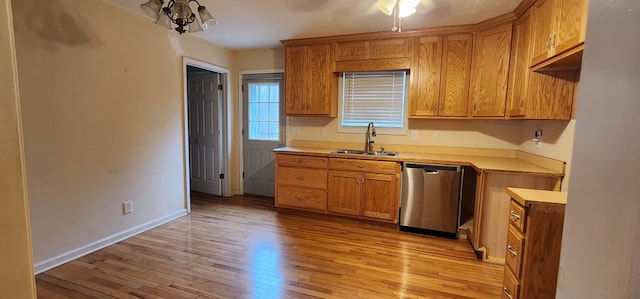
431,198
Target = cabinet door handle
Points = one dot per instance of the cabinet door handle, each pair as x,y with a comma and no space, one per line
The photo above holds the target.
546,44
553,41
521,102
511,251
506,293
515,216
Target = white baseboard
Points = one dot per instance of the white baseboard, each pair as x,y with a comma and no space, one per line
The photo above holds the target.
102,243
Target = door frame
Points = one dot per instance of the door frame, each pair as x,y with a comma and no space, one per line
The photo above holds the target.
222,119
240,123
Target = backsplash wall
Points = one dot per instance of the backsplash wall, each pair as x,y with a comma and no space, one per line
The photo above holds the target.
498,134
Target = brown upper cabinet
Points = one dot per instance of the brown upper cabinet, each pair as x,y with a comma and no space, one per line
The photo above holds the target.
536,95
440,71
559,25
521,65
310,85
490,71
519,72
372,49
372,54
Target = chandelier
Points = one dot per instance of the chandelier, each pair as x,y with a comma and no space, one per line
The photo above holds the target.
178,15
399,9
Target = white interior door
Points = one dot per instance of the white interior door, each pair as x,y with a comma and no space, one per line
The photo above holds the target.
264,120
204,130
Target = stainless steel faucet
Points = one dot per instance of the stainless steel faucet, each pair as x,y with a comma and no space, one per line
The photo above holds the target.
368,141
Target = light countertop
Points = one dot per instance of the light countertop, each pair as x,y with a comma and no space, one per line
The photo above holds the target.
527,196
479,162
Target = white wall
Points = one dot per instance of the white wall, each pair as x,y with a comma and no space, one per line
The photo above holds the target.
16,272
601,238
102,107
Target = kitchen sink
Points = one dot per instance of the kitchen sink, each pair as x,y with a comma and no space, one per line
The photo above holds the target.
366,153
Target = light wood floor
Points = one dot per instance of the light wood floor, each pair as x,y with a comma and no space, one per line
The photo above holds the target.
242,248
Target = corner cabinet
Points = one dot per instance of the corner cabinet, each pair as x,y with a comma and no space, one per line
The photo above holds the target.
310,85
490,71
560,25
364,188
440,74
536,95
534,238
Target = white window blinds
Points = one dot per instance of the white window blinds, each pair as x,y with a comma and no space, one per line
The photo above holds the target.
373,97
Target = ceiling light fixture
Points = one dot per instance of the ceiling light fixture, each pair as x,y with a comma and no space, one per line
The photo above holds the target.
179,16
399,9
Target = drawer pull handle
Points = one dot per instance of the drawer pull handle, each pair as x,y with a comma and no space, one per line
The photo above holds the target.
515,216
511,251
360,166
506,292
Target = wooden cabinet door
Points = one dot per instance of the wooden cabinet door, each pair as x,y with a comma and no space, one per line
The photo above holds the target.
571,18
390,48
295,73
519,72
356,50
456,69
344,192
318,85
424,90
490,71
543,26
380,196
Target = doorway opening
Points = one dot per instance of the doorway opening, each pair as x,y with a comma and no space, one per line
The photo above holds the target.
205,125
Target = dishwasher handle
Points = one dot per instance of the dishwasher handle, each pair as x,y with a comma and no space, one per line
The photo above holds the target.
432,171
434,167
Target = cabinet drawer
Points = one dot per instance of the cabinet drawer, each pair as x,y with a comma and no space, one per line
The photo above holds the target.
515,246
510,285
301,161
517,216
301,198
302,177
363,165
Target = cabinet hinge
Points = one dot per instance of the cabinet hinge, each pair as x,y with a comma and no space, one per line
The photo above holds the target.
243,174
222,176
219,86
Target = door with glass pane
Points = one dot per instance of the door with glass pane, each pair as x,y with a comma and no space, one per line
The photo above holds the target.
264,130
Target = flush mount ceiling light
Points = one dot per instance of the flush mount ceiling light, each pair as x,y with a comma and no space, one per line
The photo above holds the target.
179,16
399,9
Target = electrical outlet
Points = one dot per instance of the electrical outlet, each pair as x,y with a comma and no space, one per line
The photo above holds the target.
127,207
414,135
323,132
295,131
438,136
537,134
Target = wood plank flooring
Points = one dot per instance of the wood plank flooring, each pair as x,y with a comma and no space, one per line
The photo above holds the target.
241,247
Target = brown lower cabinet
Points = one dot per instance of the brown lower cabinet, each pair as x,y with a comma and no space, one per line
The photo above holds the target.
364,188
534,238
301,182
351,187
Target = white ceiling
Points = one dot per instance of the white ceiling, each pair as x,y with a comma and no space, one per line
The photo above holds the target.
250,24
